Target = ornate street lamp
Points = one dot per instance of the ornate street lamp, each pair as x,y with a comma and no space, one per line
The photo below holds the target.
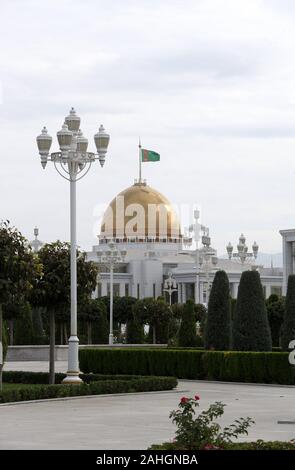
72,162
110,258
170,286
242,250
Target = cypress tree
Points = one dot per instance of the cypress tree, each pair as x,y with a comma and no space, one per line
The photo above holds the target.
251,331
187,336
288,327
24,326
100,328
218,325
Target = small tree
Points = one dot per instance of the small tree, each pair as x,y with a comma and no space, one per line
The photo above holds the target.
218,325
251,331
288,327
187,336
18,269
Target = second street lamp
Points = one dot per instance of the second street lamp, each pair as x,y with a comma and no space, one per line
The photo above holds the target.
72,162
110,258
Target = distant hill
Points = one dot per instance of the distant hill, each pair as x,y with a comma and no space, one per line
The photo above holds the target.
265,259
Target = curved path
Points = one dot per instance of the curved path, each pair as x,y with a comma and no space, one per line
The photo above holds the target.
134,421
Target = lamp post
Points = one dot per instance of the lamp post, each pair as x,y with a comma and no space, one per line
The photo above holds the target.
242,254
110,258
72,162
170,286
208,259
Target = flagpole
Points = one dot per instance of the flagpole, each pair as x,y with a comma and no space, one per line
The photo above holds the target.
139,148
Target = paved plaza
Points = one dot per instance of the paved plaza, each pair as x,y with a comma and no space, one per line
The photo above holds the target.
135,421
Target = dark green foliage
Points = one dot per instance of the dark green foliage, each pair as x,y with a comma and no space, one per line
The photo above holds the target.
256,367
251,331
138,384
275,307
218,325
187,335
288,326
134,331
100,326
4,340
23,333
156,314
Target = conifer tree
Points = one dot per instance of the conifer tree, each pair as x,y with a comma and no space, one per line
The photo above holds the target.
288,327
187,336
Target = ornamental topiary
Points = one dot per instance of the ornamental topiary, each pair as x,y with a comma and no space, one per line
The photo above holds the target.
218,325
251,331
187,336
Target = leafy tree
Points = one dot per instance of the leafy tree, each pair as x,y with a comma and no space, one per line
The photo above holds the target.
156,314
187,336
288,327
275,307
18,269
123,308
251,331
53,289
93,313
218,326
39,336
24,325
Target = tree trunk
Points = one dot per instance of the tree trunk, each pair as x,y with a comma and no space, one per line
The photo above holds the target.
61,326
11,332
154,335
52,348
89,332
1,341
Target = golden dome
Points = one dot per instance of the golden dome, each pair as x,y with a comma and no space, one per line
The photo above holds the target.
140,213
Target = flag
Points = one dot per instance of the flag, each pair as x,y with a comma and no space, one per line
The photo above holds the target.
149,156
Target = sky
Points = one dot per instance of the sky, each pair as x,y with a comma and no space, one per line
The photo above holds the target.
209,84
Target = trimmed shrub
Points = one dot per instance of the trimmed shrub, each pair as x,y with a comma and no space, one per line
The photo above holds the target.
288,327
134,331
255,445
235,366
139,384
187,335
275,311
251,330
218,325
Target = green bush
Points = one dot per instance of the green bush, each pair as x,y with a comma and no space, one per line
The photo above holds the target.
236,366
139,384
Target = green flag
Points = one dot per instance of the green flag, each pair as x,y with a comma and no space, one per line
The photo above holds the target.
149,156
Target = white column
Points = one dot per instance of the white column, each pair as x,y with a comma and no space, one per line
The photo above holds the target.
179,293
111,336
183,293
267,290
122,289
104,288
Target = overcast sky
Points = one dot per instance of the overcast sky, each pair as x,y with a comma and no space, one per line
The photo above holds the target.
209,84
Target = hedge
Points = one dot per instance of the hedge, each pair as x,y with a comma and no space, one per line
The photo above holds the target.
21,377
254,445
140,384
235,366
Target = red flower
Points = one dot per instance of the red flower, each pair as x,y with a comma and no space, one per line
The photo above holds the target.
210,447
184,400
197,397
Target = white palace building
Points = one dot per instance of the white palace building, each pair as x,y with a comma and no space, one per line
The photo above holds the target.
142,248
